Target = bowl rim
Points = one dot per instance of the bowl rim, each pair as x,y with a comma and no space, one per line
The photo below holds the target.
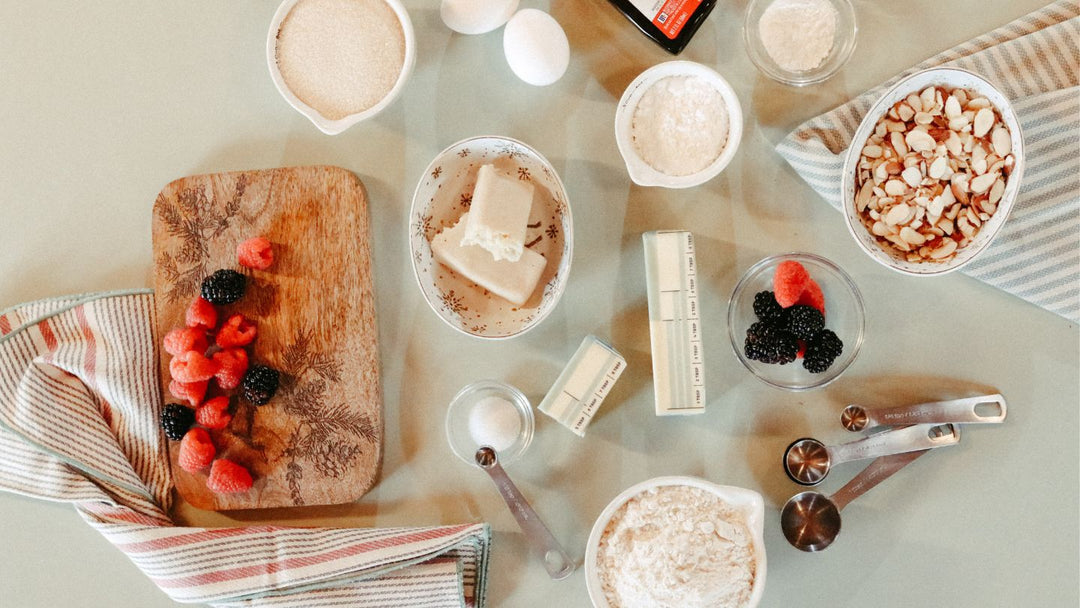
564,263
860,307
791,78
750,501
326,125
641,173
852,155
521,403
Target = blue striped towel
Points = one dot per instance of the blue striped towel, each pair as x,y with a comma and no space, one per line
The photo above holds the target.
1034,61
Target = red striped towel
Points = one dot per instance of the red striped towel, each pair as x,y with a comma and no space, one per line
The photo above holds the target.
79,405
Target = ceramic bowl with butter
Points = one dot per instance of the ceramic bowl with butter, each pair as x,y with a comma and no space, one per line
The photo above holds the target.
445,193
630,124
742,508
339,70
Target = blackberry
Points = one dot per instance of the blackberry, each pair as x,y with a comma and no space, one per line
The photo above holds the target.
770,343
803,321
260,383
176,420
223,287
821,351
766,307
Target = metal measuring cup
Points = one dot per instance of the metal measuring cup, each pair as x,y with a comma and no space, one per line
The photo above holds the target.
811,521
556,561
985,409
808,461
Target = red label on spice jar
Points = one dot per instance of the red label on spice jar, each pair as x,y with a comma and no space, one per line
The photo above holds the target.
673,14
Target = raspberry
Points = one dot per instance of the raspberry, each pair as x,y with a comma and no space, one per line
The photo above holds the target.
237,331
192,366
802,350
196,451
183,339
227,477
232,363
223,287
214,414
176,420
201,314
192,392
813,297
789,282
255,253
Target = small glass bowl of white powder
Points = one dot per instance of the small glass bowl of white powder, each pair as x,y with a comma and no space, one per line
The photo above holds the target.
678,542
799,42
489,413
677,125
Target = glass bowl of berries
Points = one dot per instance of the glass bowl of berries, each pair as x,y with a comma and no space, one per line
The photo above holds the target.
796,320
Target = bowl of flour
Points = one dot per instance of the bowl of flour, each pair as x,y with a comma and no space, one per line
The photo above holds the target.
677,125
678,542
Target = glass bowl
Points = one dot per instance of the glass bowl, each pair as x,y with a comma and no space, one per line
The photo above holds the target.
844,314
457,420
843,45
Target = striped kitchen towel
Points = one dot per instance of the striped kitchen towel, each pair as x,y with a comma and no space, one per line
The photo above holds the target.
1034,61
79,406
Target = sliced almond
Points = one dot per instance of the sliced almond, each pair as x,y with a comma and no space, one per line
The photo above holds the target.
947,248
954,145
978,103
872,151
863,199
982,183
984,119
995,193
920,141
914,102
904,112
911,237
898,214
1002,141
939,167
898,144
895,187
923,118
912,176
952,107
879,229
927,97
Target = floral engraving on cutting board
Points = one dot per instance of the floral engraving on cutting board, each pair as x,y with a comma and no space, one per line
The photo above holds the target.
193,219
330,433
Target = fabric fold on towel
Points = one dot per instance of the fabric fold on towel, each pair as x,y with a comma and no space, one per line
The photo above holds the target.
1035,62
79,409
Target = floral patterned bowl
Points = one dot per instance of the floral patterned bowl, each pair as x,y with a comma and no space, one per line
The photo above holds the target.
445,193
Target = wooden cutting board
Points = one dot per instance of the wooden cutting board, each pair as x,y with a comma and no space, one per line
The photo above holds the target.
319,440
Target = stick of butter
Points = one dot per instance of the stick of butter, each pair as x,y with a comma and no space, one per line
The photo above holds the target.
513,281
499,214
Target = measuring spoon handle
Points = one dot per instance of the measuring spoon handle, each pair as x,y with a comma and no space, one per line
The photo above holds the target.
960,411
877,472
557,563
896,441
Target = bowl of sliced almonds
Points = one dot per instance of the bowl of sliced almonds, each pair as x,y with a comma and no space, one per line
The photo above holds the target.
932,172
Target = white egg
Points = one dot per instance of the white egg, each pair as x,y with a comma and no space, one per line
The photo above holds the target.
476,16
536,47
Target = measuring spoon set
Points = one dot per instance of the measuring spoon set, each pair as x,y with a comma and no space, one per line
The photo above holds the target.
810,520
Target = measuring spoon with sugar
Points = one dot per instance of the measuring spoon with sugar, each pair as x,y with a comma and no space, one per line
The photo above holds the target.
808,461
985,409
556,561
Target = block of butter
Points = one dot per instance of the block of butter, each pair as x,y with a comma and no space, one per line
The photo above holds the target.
499,214
513,281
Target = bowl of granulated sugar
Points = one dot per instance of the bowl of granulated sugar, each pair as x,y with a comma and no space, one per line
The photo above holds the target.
678,542
339,62
677,125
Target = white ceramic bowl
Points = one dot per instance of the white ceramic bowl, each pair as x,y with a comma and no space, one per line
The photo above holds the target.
326,125
750,503
444,193
641,172
949,78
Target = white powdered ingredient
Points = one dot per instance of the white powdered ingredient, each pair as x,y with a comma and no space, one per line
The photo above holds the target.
680,125
664,549
798,34
340,56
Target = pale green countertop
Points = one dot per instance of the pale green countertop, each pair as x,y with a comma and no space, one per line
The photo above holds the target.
103,103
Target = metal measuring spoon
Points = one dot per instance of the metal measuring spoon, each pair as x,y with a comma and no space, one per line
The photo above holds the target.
807,461
811,520
961,411
557,563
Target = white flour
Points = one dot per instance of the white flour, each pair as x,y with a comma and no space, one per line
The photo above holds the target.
664,549
798,34
680,125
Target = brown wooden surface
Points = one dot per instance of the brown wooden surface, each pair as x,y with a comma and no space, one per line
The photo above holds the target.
319,440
